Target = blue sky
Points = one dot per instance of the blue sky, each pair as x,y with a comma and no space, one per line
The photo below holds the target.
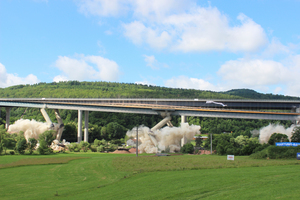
207,45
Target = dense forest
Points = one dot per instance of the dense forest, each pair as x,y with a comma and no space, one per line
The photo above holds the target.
103,125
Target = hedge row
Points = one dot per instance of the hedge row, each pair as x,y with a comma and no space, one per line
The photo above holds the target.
276,152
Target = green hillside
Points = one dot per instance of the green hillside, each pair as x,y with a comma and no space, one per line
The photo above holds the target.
75,89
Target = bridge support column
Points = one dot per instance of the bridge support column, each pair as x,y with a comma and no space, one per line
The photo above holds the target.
86,126
7,117
79,130
183,119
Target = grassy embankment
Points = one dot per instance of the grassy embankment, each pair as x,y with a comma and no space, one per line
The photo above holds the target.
113,176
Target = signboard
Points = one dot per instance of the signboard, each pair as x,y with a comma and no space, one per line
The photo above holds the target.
298,156
230,157
287,144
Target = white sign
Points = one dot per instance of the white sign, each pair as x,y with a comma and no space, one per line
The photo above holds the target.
230,157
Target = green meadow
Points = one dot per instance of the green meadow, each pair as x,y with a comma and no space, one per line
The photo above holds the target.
124,176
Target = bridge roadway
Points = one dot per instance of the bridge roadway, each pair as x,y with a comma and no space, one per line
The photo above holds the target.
247,109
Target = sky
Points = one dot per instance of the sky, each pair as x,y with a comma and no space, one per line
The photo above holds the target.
212,45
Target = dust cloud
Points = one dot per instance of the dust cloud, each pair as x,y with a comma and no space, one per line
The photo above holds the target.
165,137
31,128
266,132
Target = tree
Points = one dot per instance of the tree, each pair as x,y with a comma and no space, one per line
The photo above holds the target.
198,142
296,134
278,137
31,144
187,148
45,140
21,146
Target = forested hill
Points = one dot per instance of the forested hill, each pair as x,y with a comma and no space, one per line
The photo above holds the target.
251,94
75,89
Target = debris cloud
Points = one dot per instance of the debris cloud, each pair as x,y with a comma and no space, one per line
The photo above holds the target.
266,132
167,137
31,128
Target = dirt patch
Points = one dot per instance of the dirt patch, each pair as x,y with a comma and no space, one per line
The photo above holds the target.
120,151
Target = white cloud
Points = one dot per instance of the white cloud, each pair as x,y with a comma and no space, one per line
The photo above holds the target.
153,63
60,78
254,72
180,25
263,75
7,79
275,47
190,83
87,68
103,7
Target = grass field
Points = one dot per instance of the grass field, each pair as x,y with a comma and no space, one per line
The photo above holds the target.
123,176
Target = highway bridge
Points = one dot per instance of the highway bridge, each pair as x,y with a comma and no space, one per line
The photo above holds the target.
223,108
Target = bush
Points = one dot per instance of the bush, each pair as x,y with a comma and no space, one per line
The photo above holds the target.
101,148
276,152
278,137
296,134
12,152
74,147
21,146
31,144
84,145
187,148
260,154
45,140
93,148
112,147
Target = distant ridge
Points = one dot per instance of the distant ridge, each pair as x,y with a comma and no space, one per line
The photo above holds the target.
76,89
252,94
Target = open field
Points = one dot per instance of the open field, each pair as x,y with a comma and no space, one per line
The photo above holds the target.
123,176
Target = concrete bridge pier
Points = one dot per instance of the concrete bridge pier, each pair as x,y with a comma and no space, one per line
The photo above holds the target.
79,129
7,117
183,120
86,126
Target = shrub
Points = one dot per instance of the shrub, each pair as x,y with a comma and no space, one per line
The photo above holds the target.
276,152
112,147
93,148
101,148
278,137
21,146
45,140
187,148
84,145
31,144
74,147
296,134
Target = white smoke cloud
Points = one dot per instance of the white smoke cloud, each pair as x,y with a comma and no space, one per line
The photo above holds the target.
166,137
7,79
31,128
266,132
180,25
87,68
